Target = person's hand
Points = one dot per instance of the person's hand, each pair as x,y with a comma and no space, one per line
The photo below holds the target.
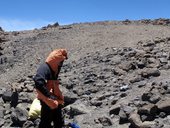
60,101
52,103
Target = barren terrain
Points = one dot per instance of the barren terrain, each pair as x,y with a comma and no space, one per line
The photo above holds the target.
116,75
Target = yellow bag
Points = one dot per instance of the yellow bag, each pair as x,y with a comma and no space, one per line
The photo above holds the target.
35,109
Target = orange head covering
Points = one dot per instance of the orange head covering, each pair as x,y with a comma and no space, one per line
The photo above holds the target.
55,57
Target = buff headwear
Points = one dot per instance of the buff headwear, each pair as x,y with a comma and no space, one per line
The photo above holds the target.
55,57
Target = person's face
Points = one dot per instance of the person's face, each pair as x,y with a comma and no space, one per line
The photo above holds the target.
59,67
60,64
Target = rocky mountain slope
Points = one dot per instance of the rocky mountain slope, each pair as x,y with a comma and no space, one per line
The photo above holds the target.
117,74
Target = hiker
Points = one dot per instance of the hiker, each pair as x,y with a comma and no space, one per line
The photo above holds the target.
48,91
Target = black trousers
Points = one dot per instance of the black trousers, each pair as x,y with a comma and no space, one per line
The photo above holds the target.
51,118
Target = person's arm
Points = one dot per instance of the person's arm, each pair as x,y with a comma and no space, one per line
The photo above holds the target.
40,78
59,95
